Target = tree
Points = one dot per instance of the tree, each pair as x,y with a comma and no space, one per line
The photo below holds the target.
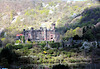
9,55
78,31
0,43
76,37
96,31
69,33
88,35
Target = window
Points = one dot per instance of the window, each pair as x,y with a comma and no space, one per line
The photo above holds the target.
51,36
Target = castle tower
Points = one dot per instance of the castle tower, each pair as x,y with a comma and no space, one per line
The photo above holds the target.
45,33
53,28
23,37
31,33
24,32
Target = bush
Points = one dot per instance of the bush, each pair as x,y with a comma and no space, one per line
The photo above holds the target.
9,55
50,51
60,67
54,45
69,55
74,60
29,46
4,62
43,43
18,46
25,51
9,45
58,53
46,48
17,41
7,40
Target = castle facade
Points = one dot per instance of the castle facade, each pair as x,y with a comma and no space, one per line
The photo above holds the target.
42,34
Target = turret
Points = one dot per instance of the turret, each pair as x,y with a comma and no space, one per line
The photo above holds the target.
32,29
41,28
31,33
53,26
45,33
24,32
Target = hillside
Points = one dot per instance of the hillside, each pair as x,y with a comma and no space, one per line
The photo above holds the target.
66,15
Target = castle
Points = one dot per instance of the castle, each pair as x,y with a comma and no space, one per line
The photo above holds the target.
42,34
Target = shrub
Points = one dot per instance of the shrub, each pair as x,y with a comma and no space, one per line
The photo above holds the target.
29,46
58,53
25,50
8,54
60,67
73,60
7,40
20,46
4,62
69,55
9,45
54,45
43,43
17,41
50,51
46,48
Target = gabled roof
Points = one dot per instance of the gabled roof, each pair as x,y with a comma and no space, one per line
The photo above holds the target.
19,35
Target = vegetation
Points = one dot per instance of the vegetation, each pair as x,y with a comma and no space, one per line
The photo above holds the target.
79,20
60,67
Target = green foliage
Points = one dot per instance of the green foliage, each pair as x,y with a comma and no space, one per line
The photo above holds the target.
0,43
9,55
72,33
2,39
29,46
29,12
7,40
42,43
20,46
11,15
44,11
74,60
46,48
54,45
50,51
58,53
25,51
88,35
9,45
88,16
17,41
69,55
23,39
52,4
4,62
